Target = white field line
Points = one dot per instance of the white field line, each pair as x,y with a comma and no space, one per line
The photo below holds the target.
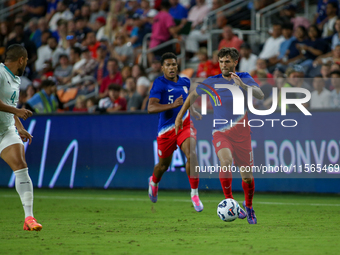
161,200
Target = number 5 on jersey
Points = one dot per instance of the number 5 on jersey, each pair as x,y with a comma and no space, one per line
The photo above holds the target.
171,99
13,96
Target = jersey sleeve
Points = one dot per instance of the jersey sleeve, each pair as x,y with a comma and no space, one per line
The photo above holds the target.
248,80
156,90
2,81
187,82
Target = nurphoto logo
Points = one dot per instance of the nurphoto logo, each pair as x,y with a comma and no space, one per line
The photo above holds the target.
238,103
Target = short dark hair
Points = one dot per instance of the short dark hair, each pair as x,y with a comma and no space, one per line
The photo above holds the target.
77,50
63,56
133,78
79,18
47,32
61,22
113,60
334,4
89,32
318,31
168,55
19,24
304,30
165,4
232,52
277,24
65,2
245,45
52,37
114,87
288,25
14,52
337,72
47,83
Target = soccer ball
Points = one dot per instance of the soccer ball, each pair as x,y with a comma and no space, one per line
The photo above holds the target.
228,210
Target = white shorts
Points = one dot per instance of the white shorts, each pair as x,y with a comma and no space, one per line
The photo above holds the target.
10,137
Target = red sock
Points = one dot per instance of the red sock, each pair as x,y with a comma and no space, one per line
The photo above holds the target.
248,192
226,180
155,179
194,182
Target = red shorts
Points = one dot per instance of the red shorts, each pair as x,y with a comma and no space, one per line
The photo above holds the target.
167,142
241,151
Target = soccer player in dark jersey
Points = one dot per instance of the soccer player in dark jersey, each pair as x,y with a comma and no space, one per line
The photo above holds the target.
232,140
166,97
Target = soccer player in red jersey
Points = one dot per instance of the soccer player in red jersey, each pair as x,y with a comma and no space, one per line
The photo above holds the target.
166,97
231,142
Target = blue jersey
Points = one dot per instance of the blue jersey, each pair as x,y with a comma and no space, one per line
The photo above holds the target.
167,92
222,100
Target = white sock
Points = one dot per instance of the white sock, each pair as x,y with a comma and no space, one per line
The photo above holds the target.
153,184
24,187
194,192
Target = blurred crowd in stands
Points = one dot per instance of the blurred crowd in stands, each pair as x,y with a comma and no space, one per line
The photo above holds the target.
85,55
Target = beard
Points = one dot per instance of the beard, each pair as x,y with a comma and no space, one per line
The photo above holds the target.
21,71
227,71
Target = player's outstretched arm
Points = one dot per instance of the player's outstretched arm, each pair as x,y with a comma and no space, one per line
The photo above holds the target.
188,102
21,113
25,136
155,107
257,92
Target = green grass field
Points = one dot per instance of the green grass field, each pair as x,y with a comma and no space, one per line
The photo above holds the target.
126,222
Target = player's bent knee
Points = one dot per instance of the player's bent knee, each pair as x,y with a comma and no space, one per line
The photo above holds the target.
191,155
163,168
226,162
247,180
17,165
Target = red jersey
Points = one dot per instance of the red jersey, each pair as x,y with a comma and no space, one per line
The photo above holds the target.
117,79
93,49
234,42
208,68
75,109
215,69
120,101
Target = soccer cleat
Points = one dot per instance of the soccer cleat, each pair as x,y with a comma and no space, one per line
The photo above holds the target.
251,217
242,214
197,203
31,224
153,192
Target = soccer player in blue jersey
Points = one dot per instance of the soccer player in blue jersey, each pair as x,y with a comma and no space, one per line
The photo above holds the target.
166,97
232,140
